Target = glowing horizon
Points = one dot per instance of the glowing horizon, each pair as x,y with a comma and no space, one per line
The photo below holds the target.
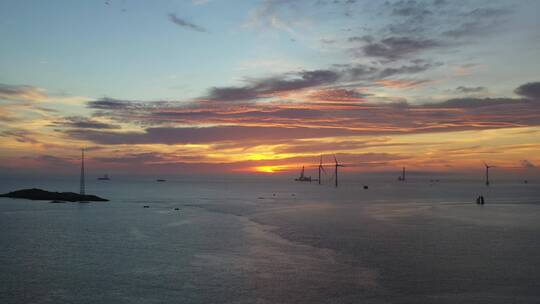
268,86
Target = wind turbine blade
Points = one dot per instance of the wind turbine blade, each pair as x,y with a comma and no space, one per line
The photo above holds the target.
320,162
335,159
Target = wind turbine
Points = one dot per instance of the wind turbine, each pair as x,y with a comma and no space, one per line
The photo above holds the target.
321,168
487,173
337,165
82,186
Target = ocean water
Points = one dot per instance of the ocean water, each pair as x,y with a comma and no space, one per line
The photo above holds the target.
272,241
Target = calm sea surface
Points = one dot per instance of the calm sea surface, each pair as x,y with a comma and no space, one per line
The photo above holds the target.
268,241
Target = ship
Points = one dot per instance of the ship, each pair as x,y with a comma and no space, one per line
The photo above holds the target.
302,177
104,177
161,180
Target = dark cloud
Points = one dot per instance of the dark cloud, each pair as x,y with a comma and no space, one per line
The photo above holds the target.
22,136
340,95
188,135
185,24
109,104
465,29
488,12
140,158
265,87
447,22
409,17
529,90
469,90
50,160
234,93
268,87
330,108
407,69
81,122
365,38
410,8
477,102
277,123
393,48
216,115
328,41
21,92
439,2
478,21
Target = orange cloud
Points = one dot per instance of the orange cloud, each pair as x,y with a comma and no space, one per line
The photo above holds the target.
401,84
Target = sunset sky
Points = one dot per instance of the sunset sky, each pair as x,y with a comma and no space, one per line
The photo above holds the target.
221,86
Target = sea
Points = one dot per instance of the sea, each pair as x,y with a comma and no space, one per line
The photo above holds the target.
272,240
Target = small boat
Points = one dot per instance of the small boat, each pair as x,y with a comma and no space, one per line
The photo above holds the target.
302,177
161,180
104,177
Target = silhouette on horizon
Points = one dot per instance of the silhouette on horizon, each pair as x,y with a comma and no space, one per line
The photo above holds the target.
336,170
487,173
302,177
104,177
82,185
321,168
480,200
402,177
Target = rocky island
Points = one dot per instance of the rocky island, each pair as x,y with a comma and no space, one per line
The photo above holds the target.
38,194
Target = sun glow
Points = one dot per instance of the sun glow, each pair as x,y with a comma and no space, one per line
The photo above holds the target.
270,169
265,169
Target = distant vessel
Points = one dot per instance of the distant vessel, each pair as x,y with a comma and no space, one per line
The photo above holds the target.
402,177
302,177
104,177
161,180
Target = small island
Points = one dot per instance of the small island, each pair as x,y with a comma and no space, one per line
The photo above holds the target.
38,194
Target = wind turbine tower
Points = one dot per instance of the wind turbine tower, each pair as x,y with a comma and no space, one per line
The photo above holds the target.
321,168
337,165
82,190
487,173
